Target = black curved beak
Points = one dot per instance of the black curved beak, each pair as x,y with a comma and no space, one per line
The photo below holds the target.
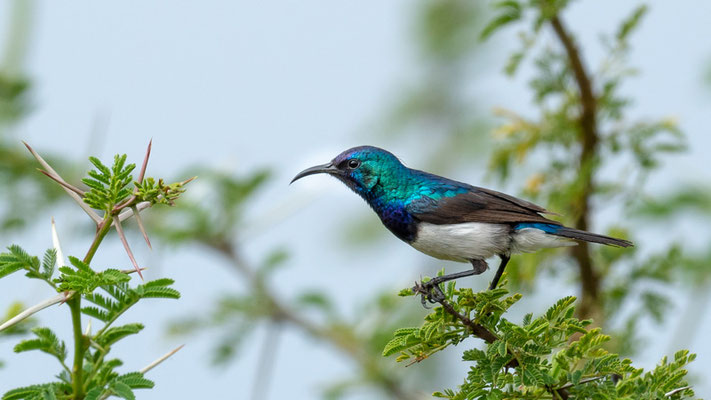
318,169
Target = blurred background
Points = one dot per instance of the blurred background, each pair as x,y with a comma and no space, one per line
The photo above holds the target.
290,291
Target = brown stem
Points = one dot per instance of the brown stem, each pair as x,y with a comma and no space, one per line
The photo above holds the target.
589,138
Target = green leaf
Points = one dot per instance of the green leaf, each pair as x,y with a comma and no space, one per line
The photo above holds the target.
114,334
94,394
136,380
158,289
46,341
48,263
44,391
85,280
122,390
510,11
18,259
108,186
629,24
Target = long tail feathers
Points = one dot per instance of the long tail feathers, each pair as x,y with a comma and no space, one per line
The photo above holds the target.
591,237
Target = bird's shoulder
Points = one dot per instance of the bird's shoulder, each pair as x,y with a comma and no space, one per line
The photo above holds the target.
441,200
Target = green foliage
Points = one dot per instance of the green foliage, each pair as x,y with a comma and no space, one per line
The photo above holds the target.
116,333
122,297
508,11
46,342
121,386
555,354
158,192
85,280
13,97
108,186
581,129
18,259
47,391
92,375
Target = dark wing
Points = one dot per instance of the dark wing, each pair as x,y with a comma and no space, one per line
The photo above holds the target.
477,205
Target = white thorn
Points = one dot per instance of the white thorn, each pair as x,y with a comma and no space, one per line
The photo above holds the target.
57,246
160,360
35,309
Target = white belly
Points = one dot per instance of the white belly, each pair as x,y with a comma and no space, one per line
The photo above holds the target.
479,241
462,242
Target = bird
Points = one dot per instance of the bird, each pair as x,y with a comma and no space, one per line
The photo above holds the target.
447,219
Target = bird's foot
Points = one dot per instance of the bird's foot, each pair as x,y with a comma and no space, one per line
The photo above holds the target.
429,292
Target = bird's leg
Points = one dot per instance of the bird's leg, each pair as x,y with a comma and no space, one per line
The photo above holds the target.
500,271
431,291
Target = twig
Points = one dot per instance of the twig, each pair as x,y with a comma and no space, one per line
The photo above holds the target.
59,298
589,278
132,271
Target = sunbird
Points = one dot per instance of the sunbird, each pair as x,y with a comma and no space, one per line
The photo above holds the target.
447,219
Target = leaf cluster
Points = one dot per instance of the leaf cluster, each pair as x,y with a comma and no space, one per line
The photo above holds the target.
18,259
108,186
93,375
84,280
554,355
121,386
119,297
158,192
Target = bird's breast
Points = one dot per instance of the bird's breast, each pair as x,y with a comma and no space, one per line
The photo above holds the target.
398,221
462,242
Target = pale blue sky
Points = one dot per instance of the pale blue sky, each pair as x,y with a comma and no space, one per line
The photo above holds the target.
244,84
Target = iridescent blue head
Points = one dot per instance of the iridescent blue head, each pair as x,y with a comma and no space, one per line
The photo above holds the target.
361,169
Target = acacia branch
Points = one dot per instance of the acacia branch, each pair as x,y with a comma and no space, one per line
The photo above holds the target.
589,138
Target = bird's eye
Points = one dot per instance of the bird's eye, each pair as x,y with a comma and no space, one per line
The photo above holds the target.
353,164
